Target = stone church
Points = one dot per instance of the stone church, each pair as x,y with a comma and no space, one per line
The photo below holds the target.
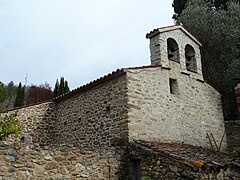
161,121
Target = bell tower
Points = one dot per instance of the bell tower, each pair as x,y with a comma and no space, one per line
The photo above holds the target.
173,46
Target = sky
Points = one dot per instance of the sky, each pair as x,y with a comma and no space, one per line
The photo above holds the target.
80,40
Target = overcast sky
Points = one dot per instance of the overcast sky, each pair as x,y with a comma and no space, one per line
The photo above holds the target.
80,40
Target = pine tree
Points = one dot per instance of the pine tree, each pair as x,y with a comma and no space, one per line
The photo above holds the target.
56,89
61,88
66,88
3,93
19,101
11,94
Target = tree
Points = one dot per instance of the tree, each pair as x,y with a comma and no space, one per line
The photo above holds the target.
19,101
37,93
61,88
180,5
3,93
56,89
218,30
11,94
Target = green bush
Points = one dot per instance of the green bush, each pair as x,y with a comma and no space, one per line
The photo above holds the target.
9,125
146,178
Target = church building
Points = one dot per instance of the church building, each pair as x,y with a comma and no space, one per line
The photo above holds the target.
161,121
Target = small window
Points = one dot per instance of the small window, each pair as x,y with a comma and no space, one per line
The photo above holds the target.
190,58
173,51
173,86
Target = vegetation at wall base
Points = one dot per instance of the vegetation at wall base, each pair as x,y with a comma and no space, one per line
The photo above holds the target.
146,178
9,125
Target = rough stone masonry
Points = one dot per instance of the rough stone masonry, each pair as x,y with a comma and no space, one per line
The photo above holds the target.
85,134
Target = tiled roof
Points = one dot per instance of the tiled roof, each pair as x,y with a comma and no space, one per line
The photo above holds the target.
100,80
145,67
171,28
196,157
91,84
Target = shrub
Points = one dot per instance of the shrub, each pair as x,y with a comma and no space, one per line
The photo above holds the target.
9,125
146,178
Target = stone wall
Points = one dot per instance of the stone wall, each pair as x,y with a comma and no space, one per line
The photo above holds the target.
152,165
84,136
37,122
95,118
31,161
186,115
156,167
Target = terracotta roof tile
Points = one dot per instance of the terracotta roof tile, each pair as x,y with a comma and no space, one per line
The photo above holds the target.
91,84
100,80
187,154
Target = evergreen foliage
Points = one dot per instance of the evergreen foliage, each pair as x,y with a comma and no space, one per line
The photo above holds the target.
56,88
9,125
180,5
61,88
11,94
218,29
8,102
3,93
19,101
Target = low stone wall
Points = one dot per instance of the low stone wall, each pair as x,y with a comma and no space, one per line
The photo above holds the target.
154,165
233,135
158,168
37,122
31,161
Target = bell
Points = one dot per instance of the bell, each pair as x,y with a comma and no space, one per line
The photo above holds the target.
170,54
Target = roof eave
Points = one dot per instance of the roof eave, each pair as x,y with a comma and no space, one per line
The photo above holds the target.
90,85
